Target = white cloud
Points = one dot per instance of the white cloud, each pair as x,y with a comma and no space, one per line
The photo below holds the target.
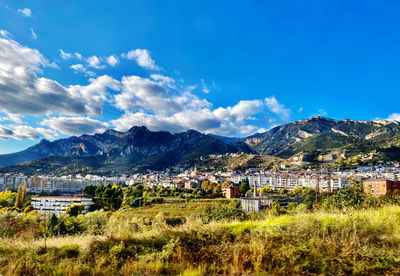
81,68
112,60
159,102
155,104
163,80
95,94
143,94
153,122
78,55
76,125
33,34
277,108
142,57
16,118
25,12
66,56
23,92
300,110
20,132
394,117
95,62
230,121
4,33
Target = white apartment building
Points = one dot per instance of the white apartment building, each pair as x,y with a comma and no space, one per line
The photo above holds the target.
58,204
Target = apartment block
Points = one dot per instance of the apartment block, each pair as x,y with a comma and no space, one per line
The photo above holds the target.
380,187
58,204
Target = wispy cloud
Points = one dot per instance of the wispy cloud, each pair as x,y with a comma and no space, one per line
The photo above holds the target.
25,12
394,117
277,108
33,34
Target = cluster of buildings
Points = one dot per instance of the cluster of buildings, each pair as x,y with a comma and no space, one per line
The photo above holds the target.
377,182
66,184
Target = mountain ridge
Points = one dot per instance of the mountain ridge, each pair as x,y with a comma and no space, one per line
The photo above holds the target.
159,149
307,140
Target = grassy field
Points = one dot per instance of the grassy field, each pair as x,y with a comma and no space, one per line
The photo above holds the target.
140,241
193,208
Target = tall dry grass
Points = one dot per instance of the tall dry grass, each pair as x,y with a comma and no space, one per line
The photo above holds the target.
322,242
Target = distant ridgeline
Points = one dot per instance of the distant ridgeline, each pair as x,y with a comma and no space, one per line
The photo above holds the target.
313,140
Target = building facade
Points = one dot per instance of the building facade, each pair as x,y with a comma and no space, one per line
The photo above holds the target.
231,191
58,204
380,187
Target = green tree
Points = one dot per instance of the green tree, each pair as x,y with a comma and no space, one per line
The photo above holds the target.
53,221
7,198
349,196
75,209
90,190
244,187
265,189
21,196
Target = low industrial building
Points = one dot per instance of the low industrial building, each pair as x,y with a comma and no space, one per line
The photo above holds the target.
255,204
58,204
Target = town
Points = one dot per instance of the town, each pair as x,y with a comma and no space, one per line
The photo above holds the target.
65,190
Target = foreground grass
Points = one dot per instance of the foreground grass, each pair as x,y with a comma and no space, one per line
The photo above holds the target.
333,243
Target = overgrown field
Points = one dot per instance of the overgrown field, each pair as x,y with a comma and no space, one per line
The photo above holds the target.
352,241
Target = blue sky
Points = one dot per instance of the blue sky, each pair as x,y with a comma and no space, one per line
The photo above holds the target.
226,67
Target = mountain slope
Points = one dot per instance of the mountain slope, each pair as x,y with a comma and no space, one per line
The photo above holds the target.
319,135
138,148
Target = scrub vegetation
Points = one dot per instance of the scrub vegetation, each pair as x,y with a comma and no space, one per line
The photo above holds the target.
344,233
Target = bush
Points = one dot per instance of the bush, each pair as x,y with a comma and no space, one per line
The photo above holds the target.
75,209
229,211
28,209
69,251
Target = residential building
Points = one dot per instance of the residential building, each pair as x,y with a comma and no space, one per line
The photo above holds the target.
380,186
231,191
58,204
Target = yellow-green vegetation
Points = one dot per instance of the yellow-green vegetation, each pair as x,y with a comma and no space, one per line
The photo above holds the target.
192,208
173,241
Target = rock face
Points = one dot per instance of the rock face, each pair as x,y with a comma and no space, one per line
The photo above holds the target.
129,147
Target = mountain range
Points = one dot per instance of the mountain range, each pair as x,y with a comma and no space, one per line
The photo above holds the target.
138,148
312,140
